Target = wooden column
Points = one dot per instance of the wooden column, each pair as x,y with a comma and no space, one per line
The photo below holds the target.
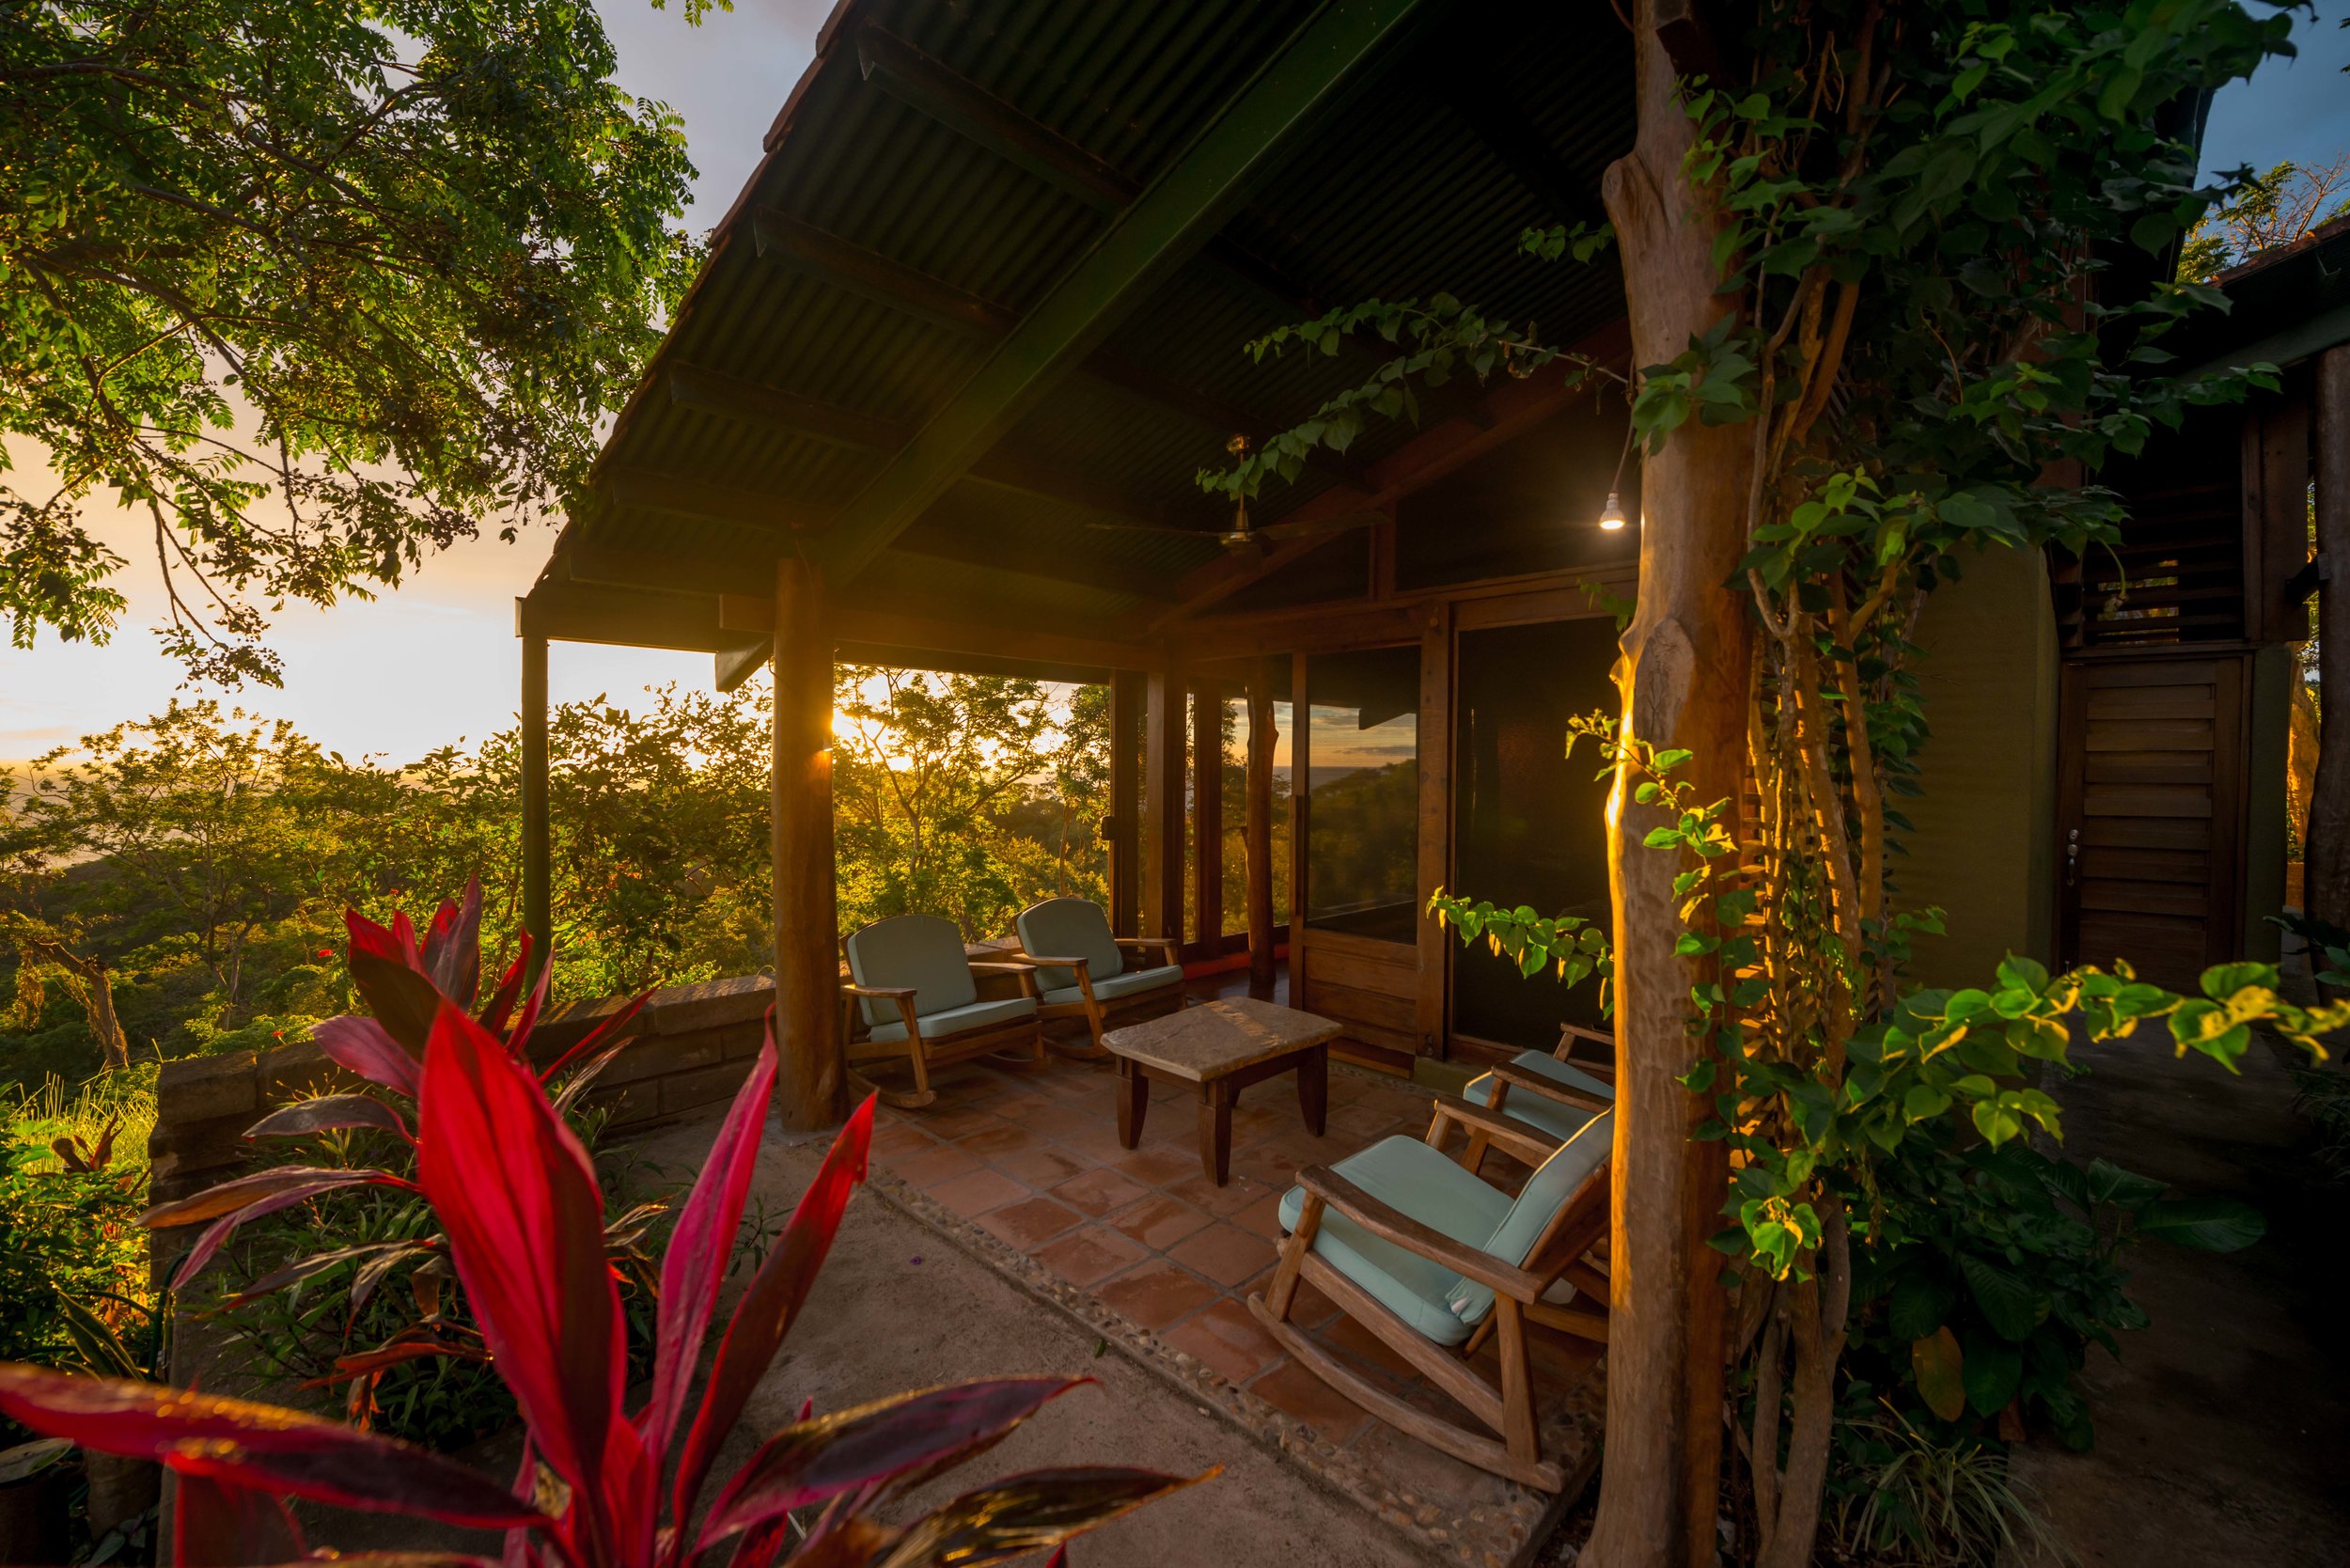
1163,801
537,832
1207,816
2326,891
1260,830
1125,837
1435,942
1301,771
810,1088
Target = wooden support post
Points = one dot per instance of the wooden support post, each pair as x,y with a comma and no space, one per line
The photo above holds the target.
1163,802
538,832
1125,833
2326,895
1260,833
1301,772
1434,847
810,1087
1207,816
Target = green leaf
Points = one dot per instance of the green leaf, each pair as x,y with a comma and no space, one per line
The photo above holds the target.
1993,1372
2008,1304
2110,1183
2205,1224
1939,1368
1919,1304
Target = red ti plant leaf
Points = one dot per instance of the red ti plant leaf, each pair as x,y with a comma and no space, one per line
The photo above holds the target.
500,1007
329,1111
258,1446
1024,1513
216,1524
249,1198
517,1198
764,1314
452,947
368,1048
696,1262
610,1029
906,1436
388,973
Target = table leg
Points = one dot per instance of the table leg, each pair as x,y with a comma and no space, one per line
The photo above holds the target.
1134,1100
1313,1088
1216,1131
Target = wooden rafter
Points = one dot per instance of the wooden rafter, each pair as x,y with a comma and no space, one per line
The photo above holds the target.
1167,223
684,496
576,612
1508,411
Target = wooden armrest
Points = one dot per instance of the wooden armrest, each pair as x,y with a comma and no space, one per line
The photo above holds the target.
1169,947
879,992
1041,962
1394,1225
1527,1142
1006,967
1535,1083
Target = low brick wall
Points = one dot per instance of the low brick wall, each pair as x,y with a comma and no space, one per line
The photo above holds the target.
692,1048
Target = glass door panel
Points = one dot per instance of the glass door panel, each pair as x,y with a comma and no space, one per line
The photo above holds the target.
1529,822
1362,824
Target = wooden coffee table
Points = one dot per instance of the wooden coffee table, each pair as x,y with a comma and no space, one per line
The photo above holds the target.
1222,1048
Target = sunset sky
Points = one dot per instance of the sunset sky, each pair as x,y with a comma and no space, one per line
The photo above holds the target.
438,659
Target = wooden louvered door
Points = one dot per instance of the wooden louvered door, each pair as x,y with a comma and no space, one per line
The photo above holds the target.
2150,813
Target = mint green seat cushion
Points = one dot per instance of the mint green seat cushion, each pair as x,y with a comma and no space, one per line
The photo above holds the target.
1070,928
918,950
1134,983
1408,1175
1415,1180
1561,1121
955,1020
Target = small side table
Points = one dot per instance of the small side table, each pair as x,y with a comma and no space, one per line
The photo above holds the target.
1222,1048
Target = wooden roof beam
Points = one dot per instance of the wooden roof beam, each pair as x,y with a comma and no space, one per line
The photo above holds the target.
909,634
588,562
625,617
929,87
1156,233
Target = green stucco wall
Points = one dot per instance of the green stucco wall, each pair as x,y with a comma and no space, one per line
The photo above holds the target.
1985,826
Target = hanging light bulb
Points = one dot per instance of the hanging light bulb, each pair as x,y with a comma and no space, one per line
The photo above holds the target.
1611,516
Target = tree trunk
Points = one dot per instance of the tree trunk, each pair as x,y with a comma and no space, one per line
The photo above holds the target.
1684,675
2325,894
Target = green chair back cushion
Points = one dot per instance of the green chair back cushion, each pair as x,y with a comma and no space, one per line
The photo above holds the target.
1562,1121
919,950
1070,928
1547,1190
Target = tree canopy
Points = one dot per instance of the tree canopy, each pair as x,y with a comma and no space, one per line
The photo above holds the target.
315,288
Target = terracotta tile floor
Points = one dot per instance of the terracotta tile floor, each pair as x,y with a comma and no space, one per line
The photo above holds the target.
1031,1156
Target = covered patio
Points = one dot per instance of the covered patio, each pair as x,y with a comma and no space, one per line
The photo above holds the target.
940,399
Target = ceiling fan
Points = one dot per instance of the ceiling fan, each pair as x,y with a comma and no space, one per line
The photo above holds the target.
1246,537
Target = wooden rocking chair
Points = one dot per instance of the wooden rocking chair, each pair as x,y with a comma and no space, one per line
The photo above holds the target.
1552,1094
1086,972
920,999
1432,1260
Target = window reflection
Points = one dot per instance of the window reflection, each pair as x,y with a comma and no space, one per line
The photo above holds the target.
1362,756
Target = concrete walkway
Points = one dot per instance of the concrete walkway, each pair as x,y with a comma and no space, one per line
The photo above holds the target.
899,1307
2223,1432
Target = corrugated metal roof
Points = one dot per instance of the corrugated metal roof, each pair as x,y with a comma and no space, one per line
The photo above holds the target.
1404,189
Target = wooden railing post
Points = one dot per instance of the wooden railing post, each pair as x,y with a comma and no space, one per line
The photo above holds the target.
810,1088
1207,816
1163,815
1125,835
1260,830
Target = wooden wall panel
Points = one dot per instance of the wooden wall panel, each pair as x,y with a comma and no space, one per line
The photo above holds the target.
2151,813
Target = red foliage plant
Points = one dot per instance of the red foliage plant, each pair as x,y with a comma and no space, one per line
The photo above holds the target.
517,1196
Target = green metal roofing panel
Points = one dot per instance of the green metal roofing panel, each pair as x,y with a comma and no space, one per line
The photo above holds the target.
1402,189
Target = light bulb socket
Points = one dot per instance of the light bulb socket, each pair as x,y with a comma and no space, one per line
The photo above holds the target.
1611,516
